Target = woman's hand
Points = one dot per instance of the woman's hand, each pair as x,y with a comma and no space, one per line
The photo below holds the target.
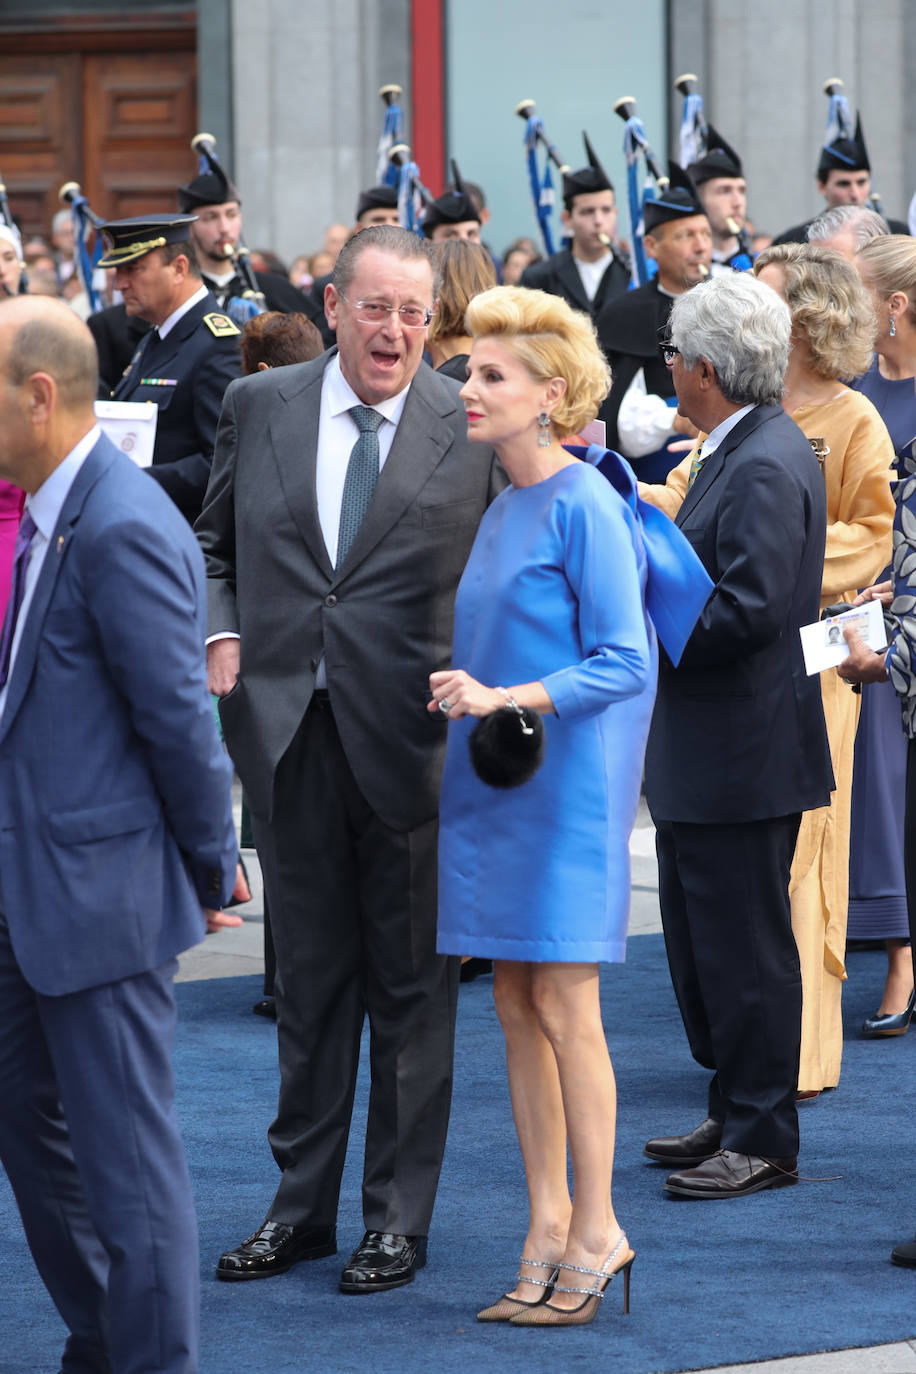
456,694
881,591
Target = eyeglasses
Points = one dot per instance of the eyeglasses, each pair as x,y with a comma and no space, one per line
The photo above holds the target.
374,312
669,352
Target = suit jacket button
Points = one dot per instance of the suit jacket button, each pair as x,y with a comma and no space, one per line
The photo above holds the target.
330,599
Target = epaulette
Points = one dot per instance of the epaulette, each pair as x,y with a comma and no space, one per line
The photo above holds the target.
221,325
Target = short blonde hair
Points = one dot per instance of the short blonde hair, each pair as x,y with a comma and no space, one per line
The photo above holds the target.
829,305
465,269
889,263
550,339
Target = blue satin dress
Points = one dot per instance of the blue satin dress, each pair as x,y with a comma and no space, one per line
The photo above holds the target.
554,591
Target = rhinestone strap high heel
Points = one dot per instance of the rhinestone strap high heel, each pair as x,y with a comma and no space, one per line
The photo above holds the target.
505,1307
620,1260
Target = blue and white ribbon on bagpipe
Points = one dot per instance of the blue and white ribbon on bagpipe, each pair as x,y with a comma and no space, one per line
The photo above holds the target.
839,116
641,187
540,182
86,259
692,132
386,173
413,196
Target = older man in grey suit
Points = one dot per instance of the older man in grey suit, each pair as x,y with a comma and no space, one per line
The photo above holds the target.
342,506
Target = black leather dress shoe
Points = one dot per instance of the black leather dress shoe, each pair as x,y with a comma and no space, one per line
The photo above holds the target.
905,1255
266,1007
688,1149
729,1174
890,1023
274,1248
383,1260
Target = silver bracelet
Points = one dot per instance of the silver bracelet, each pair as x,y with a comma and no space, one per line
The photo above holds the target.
513,704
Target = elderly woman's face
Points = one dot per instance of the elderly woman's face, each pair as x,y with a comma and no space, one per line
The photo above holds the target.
501,397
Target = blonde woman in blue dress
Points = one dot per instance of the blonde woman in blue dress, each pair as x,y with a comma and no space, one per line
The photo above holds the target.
552,613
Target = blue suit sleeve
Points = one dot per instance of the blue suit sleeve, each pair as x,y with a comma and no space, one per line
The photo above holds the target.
145,597
603,569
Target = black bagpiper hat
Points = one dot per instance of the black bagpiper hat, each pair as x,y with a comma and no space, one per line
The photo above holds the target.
677,201
454,207
125,240
719,160
587,179
844,154
212,187
377,198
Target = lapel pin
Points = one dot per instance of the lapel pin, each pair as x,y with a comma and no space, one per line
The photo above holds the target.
60,542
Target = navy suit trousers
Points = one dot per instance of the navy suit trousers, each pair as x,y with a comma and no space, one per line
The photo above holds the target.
90,1142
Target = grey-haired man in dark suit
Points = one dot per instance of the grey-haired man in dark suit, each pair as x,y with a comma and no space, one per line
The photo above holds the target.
343,503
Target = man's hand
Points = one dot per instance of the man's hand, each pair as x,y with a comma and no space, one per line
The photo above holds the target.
223,662
881,591
863,664
218,920
463,695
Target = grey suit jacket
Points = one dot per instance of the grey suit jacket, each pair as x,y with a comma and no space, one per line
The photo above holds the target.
383,620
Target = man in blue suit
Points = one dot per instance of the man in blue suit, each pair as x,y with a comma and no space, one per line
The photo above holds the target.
115,832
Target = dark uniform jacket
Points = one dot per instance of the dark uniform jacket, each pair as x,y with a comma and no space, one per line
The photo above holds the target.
560,276
630,330
185,374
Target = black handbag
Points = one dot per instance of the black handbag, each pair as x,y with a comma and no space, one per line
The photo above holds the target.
507,746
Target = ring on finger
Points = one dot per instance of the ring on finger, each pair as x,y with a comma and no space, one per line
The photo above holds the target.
445,706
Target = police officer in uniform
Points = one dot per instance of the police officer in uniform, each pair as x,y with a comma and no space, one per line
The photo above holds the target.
187,359
591,271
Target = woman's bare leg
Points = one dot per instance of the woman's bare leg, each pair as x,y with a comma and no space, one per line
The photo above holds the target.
537,1106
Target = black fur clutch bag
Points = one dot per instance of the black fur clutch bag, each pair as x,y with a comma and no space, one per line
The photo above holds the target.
507,747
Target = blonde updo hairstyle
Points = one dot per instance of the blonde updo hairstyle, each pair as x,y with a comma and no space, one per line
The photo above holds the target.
830,307
550,340
889,264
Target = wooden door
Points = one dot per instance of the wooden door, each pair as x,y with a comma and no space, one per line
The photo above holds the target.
114,110
140,113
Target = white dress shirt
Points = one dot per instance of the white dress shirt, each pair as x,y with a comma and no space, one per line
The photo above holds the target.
592,272
337,433
717,436
45,506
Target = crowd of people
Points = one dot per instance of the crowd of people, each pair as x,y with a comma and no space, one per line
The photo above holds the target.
451,634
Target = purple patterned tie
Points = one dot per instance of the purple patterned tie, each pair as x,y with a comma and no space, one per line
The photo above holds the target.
21,550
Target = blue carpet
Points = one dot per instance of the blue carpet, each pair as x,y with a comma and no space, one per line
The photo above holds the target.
798,1270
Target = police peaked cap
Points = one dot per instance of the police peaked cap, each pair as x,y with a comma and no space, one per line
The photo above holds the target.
125,240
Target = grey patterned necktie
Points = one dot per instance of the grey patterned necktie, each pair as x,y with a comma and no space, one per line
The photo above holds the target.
362,475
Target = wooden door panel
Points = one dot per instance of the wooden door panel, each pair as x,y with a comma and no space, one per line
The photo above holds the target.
140,117
40,132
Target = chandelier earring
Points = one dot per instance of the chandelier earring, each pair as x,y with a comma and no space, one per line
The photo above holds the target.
892,328
543,430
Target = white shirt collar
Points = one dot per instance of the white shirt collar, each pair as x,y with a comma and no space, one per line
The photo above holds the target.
717,436
182,310
340,396
46,503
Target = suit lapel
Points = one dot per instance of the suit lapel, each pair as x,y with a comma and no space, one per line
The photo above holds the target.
295,449
98,460
568,274
714,465
422,437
